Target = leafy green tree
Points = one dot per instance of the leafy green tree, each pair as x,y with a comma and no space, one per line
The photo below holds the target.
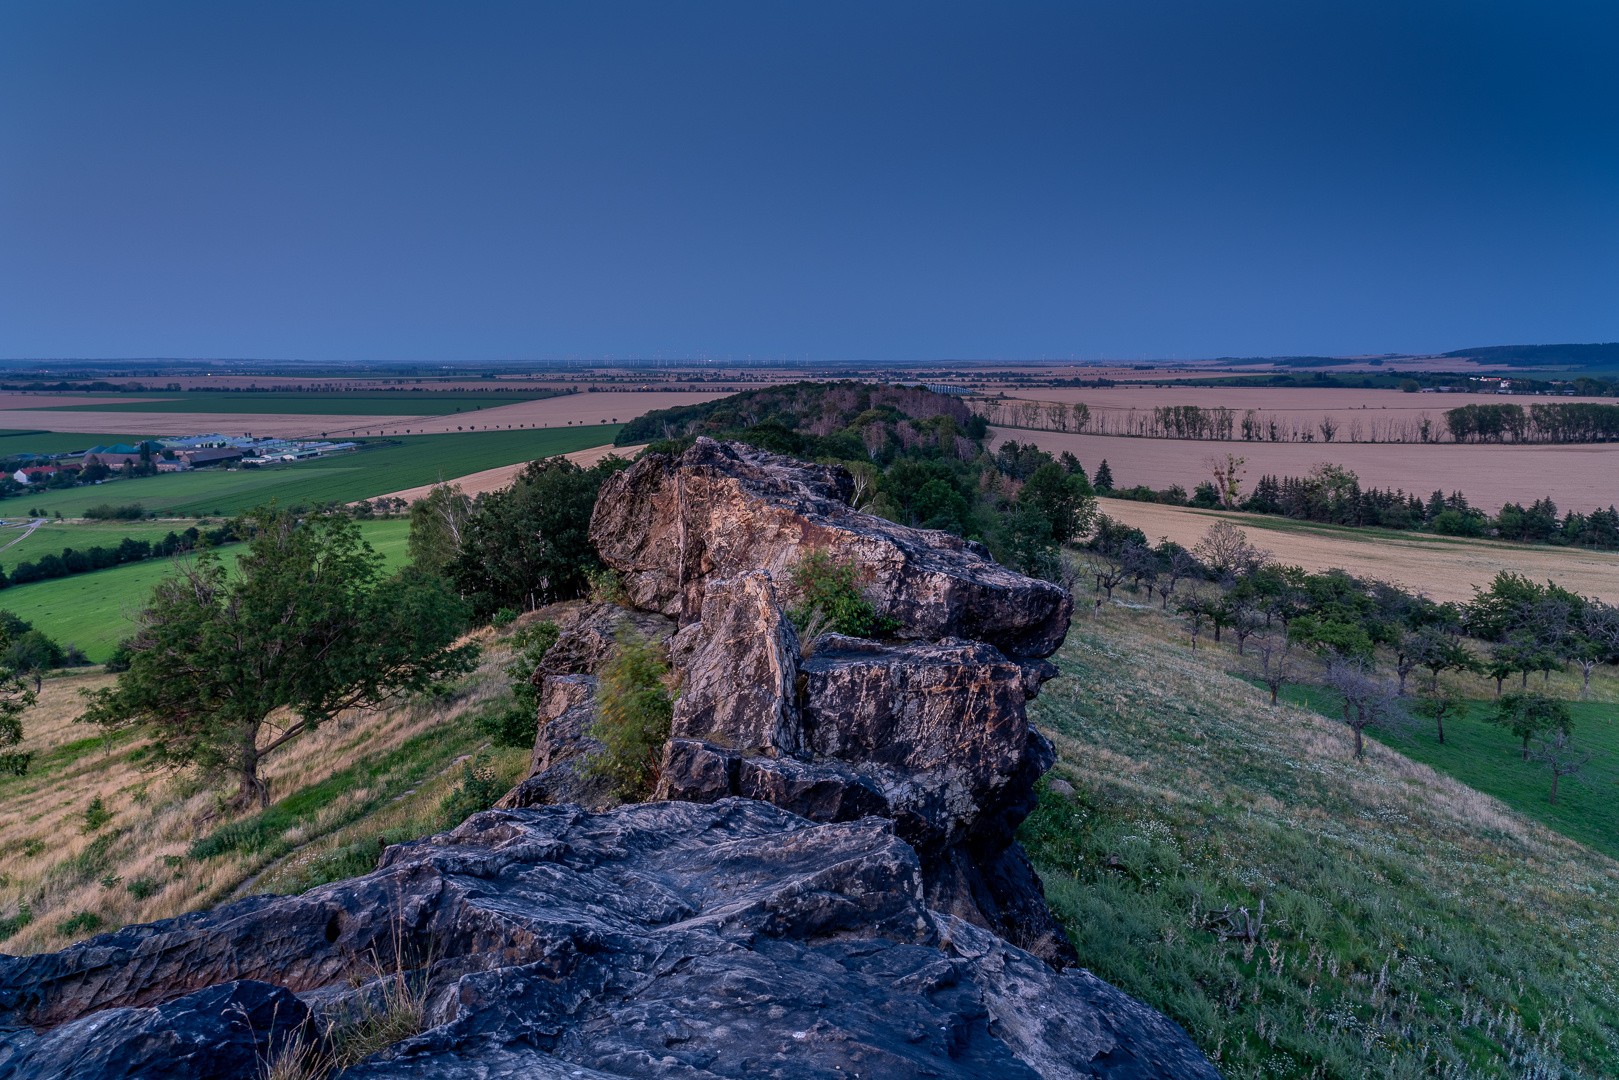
633,711
1064,498
1026,544
1529,714
15,698
518,723
529,544
1438,704
33,654
438,526
227,667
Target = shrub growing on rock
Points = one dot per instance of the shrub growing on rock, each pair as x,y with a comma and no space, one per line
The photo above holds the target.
633,709
833,587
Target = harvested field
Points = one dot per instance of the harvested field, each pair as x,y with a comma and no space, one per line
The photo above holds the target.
494,479
1445,568
1578,477
1357,415
566,411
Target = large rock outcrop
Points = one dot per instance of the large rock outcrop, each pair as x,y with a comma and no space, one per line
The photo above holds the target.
660,940
668,525
934,737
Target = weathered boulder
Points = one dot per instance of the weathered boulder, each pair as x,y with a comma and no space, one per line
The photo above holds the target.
738,669
660,940
668,525
222,1033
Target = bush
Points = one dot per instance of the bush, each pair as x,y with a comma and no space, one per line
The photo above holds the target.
142,888
107,512
14,923
633,710
96,815
503,618
83,922
833,587
480,787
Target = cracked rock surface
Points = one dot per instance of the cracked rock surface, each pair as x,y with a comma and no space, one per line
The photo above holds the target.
730,939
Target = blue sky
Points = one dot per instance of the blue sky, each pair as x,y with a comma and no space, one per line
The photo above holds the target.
901,181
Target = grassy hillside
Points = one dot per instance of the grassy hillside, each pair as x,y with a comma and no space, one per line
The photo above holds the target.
1415,927
1487,757
169,846
92,610
324,403
405,462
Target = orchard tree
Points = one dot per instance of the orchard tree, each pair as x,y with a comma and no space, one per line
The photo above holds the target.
1558,754
229,665
1531,714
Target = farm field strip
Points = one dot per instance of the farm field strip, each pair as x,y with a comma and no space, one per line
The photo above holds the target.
1293,399
93,610
1578,477
570,410
364,474
1445,568
322,403
495,479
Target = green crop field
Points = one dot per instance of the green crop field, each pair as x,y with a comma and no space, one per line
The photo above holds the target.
16,547
1488,758
329,403
92,610
13,441
383,466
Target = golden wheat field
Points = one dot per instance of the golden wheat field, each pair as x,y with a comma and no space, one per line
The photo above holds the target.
1444,568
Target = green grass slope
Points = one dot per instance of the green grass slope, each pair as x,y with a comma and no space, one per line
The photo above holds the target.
406,462
93,610
1487,757
1414,927
359,403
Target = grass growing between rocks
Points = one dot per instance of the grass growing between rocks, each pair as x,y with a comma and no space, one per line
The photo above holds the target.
1414,927
159,844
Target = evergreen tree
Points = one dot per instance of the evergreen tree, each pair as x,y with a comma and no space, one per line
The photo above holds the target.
1103,480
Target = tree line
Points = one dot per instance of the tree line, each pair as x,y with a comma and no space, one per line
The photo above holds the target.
1551,422
1332,495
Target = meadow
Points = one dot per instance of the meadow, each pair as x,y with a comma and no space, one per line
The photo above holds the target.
379,468
1442,567
1414,927
93,610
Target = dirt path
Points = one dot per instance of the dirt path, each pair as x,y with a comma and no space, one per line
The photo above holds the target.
1442,567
